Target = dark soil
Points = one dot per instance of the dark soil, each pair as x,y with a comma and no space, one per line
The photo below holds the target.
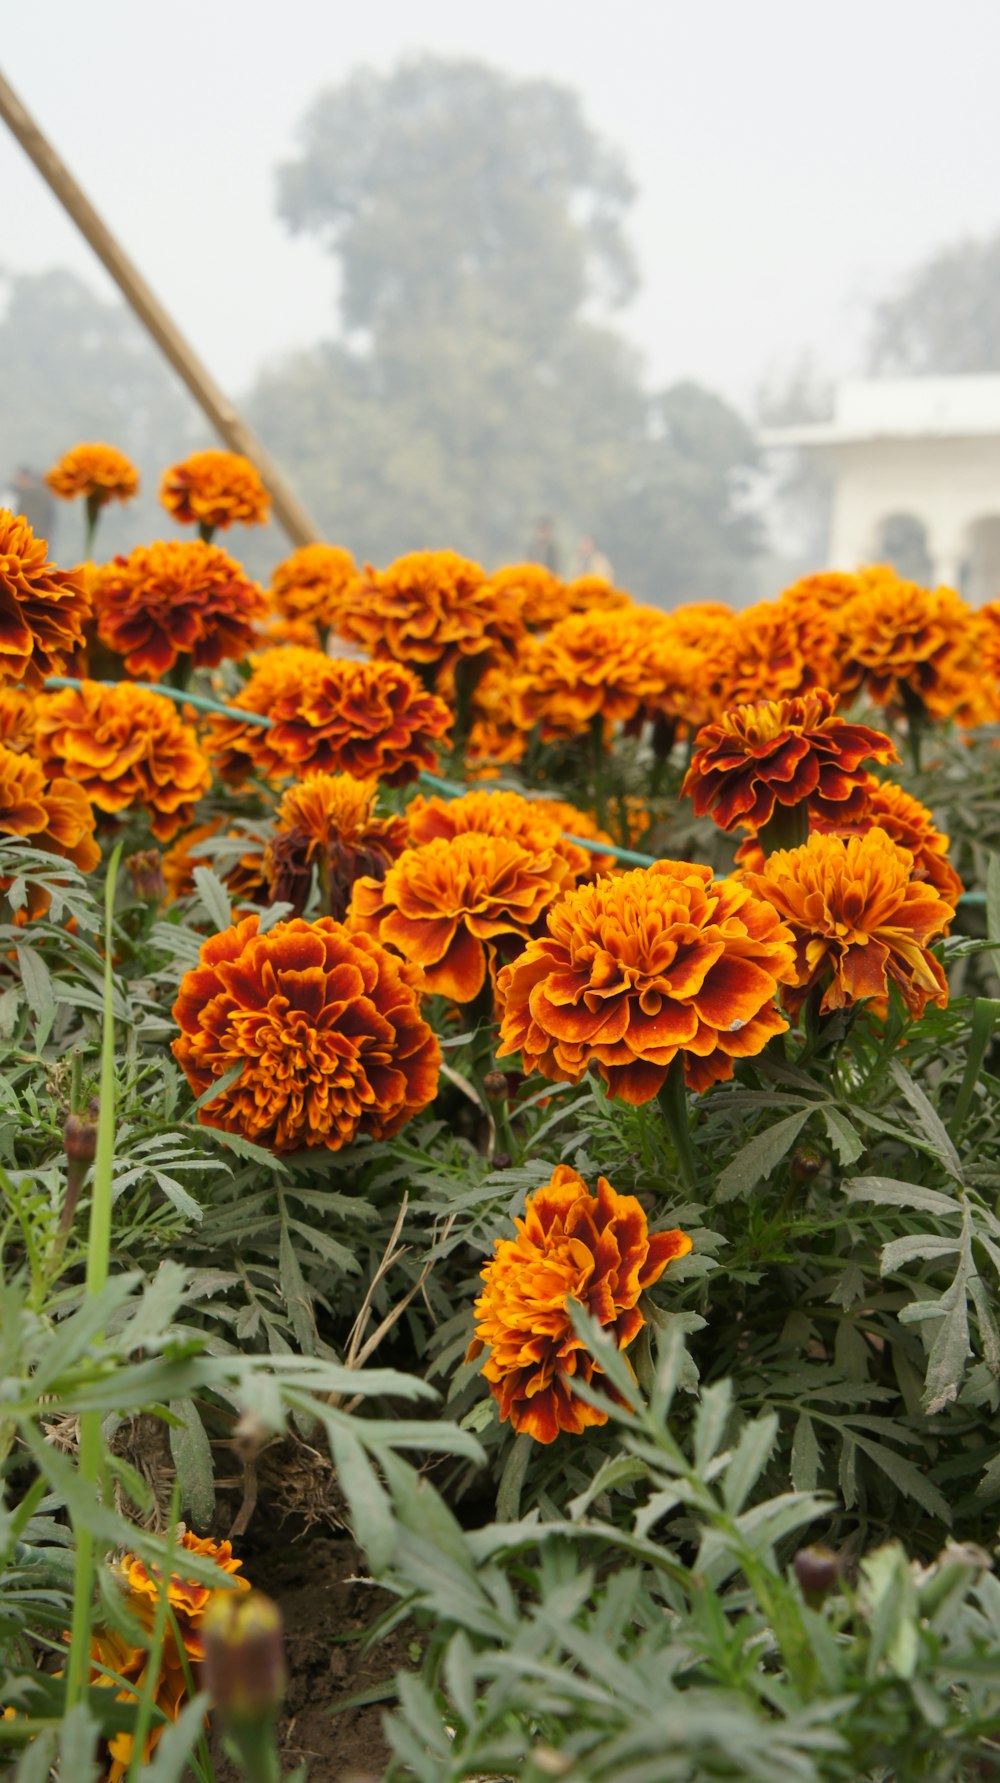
318,1582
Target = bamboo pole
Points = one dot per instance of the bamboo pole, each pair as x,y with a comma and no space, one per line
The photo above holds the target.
288,510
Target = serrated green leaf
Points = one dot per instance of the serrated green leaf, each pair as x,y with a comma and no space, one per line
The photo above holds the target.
214,897
192,1457
760,1156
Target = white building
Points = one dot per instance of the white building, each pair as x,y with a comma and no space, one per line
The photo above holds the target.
916,458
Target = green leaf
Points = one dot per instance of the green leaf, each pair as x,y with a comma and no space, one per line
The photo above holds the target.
293,1287
219,1085
38,989
192,1457
214,897
847,1142
887,1191
176,1743
918,1245
711,1419
805,1455
932,1125
993,907
760,1156
371,1512
749,1459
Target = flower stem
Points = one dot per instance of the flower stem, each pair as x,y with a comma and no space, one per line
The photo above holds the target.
597,748
674,1106
916,724
93,513
787,827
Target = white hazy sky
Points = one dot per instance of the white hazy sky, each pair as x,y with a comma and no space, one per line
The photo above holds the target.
792,159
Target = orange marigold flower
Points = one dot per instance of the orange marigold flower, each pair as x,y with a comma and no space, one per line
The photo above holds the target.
177,598
17,720
589,665
312,583
910,825
570,1245
214,489
189,1600
495,739
42,610
449,903
760,649
635,970
902,641
782,752
99,472
526,821
326,1025
330,821
574,822
370,719
278,631
594,594
53,814
430,607
239,747
124,747
241,869
540,595
860,921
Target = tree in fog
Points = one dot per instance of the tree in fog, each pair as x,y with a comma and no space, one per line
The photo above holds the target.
945,317
478,224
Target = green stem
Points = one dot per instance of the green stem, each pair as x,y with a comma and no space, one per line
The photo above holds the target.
205,532
598,756
98,1254
674,1106
788,827
916,725
512,1478
257,1752
93,514
468,674
985,1014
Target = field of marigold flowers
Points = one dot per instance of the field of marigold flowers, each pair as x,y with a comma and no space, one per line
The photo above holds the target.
498,1156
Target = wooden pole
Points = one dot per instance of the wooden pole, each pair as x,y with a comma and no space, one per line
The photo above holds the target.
288,510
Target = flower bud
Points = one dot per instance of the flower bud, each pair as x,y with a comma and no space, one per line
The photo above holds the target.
80,1137
496,1086
817,1570
244,1668
145,870
806,1162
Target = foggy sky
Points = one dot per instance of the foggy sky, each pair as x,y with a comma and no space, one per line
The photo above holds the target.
793,159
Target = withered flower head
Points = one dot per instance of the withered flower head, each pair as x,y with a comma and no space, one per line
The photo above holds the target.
98,472
177,598
312,582
429,607
329,821
370,719
635,970
782,752
860,921
570,1245
449,903
326,1025
42,610
124,747
214,489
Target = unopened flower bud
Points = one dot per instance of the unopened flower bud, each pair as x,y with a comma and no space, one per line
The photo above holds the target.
817,1570
244,1668
806,1162
145,870
496,1086
80,1138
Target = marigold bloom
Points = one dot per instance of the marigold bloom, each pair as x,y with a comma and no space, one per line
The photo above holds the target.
240,748
540,595
53,814
17,720
860,921
124,747
901,639
312,583
99,472
242,870
637,969
526,821
214,489
42,610
588,666
330,821
448,904
594,594
429,607
189,1600
574,822
495,738
570,1245
370,719
760,649
177,598
782,752
326,1024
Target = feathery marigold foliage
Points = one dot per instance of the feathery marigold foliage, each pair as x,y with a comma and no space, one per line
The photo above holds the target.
451,903
785,752
310,584
181,598
860,920
373,720
43,610
124,747
527,821
326,1025
54,814
98,472
189,1602
329,821
213,489
570,1245
637,969
591,665
431,607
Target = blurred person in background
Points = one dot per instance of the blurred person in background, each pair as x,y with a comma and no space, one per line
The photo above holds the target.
589,561
27,494
542,547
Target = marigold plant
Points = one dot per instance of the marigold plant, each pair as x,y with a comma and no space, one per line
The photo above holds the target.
570,1245
179,598
54,814
213,489
589,666
325,1024
902,643
240,748
17,719
531,822
860,920
782,752
370,719
539,593
311,583
126,748
329,821
761,647
431,607
100,473
635,970
448,904
43,610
